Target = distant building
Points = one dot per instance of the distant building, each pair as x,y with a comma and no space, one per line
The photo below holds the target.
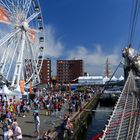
69,70
90,80
45,72
97,79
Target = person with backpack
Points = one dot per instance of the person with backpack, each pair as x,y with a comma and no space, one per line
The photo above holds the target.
5,128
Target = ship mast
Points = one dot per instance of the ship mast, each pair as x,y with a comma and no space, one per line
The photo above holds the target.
107,70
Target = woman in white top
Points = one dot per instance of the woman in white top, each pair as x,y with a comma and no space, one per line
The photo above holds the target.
17,132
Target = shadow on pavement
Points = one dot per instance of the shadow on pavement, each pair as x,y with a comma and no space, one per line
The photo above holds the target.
29,122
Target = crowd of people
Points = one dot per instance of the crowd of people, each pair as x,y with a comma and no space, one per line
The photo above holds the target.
50,102
11,129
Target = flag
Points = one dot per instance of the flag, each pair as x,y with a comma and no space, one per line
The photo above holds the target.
31,34
4,17
31,87
21,84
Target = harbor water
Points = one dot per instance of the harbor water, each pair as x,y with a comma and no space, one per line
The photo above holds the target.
98,121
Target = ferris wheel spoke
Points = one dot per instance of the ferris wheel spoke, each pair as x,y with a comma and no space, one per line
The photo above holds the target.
13,57
34,67
18,3
34,60
24,2
5,6
18,69
27,63
8,36
12,5
3,59
28,5
29,70
32,17
7,54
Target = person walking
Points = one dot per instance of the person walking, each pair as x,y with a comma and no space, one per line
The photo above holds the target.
37,124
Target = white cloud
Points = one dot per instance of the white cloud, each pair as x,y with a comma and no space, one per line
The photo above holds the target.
54,46
94,61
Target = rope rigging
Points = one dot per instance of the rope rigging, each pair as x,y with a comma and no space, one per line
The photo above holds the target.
125,119
133,20
111,76
130,57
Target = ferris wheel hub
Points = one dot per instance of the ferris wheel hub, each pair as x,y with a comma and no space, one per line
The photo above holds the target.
25,25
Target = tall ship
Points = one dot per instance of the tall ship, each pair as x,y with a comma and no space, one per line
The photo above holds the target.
124,123
107,69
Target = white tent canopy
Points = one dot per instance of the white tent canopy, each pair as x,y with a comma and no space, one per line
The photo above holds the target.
114,78
17,90
121,78
9,93
12,95
105,79
5,90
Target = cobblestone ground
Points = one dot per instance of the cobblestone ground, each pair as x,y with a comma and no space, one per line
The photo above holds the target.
47,122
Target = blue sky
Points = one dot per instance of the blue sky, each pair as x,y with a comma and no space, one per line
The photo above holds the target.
91,30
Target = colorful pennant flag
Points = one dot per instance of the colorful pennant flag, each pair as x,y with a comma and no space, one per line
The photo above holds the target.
4,17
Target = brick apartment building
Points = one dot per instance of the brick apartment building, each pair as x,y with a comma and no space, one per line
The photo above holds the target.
45,72
68,70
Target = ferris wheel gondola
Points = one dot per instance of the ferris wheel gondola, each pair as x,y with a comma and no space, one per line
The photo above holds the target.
22,41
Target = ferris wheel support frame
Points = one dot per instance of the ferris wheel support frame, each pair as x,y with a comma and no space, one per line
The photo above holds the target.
17,73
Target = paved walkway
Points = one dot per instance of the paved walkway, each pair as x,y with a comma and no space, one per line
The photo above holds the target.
47,122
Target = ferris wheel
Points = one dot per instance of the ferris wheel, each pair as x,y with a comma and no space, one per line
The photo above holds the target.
22,40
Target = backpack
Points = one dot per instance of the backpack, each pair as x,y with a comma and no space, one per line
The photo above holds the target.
5,127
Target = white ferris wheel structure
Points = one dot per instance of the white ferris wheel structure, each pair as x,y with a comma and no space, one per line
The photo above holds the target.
22,41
